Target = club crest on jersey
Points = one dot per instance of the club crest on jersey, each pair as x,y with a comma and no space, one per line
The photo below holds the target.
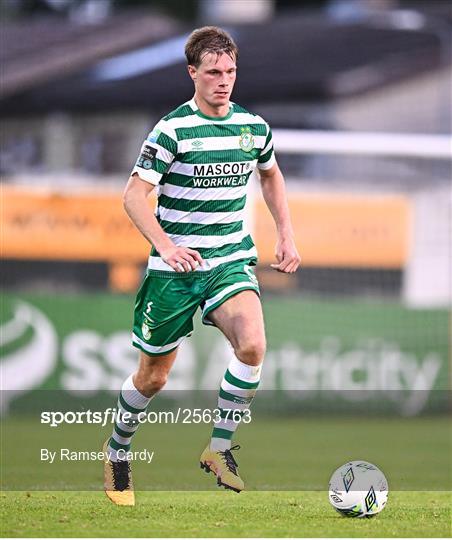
246,140
146,331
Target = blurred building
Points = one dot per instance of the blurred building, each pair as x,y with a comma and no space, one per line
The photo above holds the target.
79,94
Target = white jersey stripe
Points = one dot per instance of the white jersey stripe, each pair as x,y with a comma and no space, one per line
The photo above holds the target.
150,176
217,143
267,148
156,263
205,218
199,241
268,164
199,194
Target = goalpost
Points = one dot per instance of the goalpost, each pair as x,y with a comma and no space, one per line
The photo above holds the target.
416,167
367,315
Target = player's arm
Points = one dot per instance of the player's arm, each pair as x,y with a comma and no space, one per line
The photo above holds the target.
136,204
274,192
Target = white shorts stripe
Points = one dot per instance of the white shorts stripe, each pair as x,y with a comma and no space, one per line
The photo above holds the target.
153,349
211,301
198,241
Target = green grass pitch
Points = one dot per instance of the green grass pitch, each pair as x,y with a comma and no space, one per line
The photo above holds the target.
218,514
286,464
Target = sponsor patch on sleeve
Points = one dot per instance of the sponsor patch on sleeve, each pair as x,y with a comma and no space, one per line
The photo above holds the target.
147,156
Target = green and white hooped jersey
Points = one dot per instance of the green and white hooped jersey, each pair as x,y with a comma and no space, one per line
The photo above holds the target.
201,166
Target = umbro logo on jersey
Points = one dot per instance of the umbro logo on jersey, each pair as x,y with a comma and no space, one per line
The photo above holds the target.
197,144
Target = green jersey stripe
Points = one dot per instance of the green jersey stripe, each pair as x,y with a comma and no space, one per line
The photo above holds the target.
180,112
200,229
187,205
238,109
266,157
176,179
218,156
190,121
223,251
160,166
167,142
209,130
229,377
228,249
204,194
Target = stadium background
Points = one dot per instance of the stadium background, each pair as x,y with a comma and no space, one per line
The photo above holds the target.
358,96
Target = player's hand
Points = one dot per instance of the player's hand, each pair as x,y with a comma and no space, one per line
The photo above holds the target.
287,256
182,259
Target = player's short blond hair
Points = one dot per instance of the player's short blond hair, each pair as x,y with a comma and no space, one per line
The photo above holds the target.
209,39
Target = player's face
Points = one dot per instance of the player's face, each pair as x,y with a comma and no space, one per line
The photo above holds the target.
214,80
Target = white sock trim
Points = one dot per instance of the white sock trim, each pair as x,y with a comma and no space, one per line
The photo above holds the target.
244,372
219,445
133,396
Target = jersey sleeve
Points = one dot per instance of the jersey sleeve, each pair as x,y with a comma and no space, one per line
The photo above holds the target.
157,153
266,159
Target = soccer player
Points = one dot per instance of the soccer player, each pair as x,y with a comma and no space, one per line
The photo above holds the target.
199,158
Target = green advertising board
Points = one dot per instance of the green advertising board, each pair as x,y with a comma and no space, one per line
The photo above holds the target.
330,355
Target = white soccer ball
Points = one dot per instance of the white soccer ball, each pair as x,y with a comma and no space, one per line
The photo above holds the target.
358,489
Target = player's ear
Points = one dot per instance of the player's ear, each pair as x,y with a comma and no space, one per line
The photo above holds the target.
192,72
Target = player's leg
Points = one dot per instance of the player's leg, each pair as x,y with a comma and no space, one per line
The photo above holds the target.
241,320
136,393
236,310
163,317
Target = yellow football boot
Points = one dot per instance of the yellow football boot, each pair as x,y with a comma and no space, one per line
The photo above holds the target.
118,483
224,466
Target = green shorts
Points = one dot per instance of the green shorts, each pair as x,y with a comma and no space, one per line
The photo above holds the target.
166,302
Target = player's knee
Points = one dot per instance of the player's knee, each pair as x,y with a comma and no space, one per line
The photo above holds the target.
150,383
156,381
251,351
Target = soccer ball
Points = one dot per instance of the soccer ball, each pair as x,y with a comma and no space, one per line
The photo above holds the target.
358,489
